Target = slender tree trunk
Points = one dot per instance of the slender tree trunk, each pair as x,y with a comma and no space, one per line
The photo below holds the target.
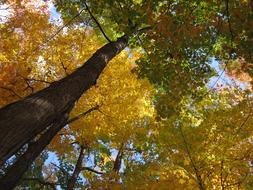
21,121
16,171
118,160
77,170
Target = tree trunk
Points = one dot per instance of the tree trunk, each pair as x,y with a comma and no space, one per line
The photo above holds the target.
21,121
77,170
118,160
16,171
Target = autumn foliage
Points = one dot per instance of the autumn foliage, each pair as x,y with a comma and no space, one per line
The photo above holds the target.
159,115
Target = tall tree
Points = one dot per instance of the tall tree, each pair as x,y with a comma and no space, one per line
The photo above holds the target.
176,54
37,111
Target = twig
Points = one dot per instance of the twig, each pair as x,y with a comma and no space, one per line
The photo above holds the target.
82,114
244,122
29,86
65,68
61,169
36,80
199,179
107,114
219,77
12,91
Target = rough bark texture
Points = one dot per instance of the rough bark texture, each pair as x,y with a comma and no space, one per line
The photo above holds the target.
77,170
16,171
21,121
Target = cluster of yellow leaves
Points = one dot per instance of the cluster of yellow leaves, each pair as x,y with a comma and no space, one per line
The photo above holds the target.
21,33
213,140
154,176
30,57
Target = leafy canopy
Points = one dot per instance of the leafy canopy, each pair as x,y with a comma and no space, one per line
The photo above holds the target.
157,124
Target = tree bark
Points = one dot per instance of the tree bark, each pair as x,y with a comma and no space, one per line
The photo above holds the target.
21,121
16,171
77,170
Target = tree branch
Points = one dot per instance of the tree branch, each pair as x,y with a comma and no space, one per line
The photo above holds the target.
78,168
82,114
117,162
229,21
36,80
92,170
61,169
97,23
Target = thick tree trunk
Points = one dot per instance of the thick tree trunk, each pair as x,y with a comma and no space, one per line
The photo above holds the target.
21,121
77,170
16,171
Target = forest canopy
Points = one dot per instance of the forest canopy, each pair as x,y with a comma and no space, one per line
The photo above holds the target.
126,94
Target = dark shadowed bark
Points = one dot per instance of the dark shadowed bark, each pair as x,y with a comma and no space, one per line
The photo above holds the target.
21,121
16,171
77,170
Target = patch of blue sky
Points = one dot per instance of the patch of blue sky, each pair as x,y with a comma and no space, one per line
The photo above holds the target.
52,158
55,16
223,79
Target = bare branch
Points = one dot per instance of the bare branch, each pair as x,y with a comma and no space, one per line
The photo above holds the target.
96,21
